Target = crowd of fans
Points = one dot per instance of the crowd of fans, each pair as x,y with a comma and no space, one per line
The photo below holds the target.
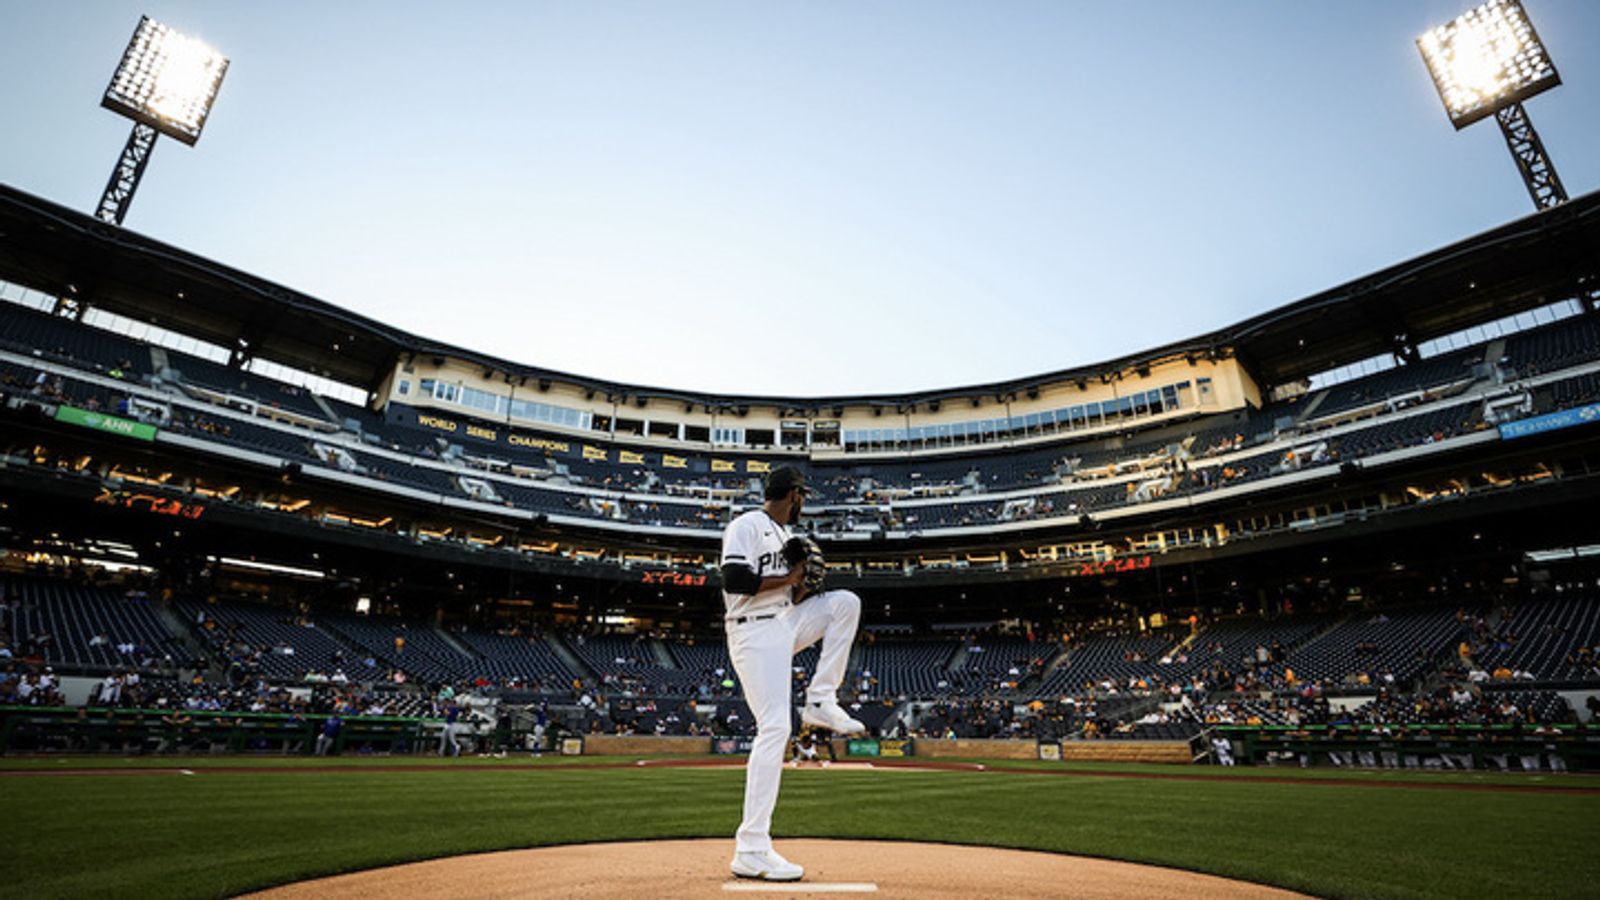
630,684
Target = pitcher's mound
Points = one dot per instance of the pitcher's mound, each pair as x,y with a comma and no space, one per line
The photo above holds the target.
679,869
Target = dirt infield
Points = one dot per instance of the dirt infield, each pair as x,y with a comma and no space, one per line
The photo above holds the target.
690,869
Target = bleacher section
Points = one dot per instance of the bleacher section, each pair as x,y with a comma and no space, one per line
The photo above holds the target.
991,661
59,339
87,626
628,663
244,385
1402,644
912,668
1237,645
1545,638
1553,347
259,637
1542,706
1102,657
1401,381
416,649
527,659
654,685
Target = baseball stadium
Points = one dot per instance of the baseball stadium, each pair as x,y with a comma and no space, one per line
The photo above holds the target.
300,603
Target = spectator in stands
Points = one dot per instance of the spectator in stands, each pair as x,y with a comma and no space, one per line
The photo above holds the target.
110,690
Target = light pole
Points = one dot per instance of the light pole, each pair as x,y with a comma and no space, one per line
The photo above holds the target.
165,83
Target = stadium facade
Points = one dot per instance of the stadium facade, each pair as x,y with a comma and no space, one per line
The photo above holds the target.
1220,471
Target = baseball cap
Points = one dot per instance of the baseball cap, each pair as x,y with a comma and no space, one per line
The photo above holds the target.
782,480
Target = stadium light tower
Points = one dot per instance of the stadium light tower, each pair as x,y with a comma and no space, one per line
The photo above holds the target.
165,83
1486,62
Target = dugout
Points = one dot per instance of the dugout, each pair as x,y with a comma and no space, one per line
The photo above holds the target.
1574,748
32,729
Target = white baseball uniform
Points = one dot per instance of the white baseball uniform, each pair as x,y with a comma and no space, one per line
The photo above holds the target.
765,631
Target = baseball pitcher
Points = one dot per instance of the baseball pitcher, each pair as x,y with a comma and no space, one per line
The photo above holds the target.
776,607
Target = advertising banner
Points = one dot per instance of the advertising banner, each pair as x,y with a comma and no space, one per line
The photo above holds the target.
731,745
861,747
72,415
1566,418
894,748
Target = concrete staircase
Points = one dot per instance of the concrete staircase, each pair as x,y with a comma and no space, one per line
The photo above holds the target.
559,645
455,645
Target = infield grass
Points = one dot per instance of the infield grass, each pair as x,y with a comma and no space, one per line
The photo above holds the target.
213,833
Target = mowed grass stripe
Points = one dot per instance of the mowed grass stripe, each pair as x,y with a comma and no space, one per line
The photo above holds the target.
367,764
233,765
208,836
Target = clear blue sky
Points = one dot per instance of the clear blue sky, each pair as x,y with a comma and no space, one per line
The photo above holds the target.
801,199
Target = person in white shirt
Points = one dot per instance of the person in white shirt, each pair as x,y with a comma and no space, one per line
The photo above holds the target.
110,690
769,619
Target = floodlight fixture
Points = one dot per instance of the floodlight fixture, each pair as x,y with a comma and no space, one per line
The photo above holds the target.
1485,63
166,83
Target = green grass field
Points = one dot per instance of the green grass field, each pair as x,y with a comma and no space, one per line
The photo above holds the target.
217,833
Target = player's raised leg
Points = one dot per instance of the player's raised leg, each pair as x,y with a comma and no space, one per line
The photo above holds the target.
831,617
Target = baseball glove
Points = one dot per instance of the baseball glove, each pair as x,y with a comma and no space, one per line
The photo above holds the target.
801,550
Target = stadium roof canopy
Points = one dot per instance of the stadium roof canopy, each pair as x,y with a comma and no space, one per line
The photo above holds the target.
1545,257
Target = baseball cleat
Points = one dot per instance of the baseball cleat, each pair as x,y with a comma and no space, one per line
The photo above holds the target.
830,716
766,866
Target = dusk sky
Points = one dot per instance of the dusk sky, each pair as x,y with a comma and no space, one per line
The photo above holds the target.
800,199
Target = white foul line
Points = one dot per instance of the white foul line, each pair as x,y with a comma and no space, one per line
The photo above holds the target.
800,887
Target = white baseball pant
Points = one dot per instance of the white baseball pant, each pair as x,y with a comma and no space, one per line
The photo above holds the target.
763,656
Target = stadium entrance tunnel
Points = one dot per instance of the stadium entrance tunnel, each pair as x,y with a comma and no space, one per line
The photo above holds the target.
699,868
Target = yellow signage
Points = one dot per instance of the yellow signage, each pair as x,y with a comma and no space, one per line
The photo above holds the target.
519,440
436,422
722,465
754,466
628,456
594,453
674,462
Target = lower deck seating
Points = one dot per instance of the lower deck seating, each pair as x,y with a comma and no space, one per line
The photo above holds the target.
62,622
